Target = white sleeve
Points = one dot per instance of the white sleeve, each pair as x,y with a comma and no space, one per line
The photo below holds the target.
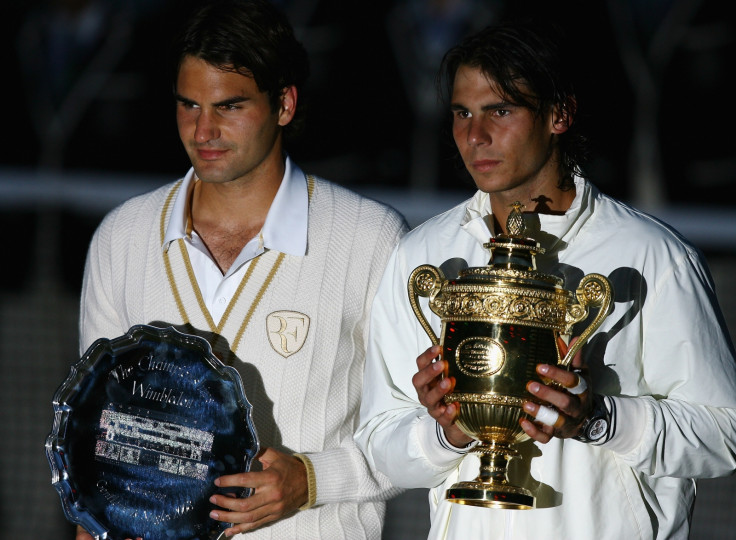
396,433
98,316
689,368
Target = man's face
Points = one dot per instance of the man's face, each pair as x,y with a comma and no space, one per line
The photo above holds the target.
225,123
505,147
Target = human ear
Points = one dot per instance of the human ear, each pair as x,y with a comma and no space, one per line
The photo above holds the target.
562,117
288,105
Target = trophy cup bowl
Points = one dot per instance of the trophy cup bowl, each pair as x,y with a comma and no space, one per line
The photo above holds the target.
498,322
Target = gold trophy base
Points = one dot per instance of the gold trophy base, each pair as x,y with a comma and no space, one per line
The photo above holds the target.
491,489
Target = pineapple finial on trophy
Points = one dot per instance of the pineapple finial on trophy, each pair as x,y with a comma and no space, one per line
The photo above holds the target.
515,223
514,250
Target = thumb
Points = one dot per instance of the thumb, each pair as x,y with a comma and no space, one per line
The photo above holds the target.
577,361
562,346
267,458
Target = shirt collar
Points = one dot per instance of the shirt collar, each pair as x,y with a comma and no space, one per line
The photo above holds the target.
478,221
285,228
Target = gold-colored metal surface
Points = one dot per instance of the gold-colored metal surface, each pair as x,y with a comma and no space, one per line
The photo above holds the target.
498,322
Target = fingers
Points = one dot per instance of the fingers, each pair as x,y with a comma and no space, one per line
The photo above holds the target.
242,521
538,432
279,490
268,456
429,371
547,424
581,386
547,415
424,359
245,514
431,387
577,360
566,401
561,376
560,399
82,534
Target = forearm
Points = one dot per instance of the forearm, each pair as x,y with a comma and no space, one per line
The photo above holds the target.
343,474
684,375
679,439
408,447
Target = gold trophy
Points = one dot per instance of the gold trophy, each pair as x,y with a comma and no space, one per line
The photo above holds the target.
498,322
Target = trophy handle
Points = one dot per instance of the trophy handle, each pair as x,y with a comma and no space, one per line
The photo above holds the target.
426,281
594,290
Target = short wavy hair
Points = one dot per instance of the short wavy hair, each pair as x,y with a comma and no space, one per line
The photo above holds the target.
250,37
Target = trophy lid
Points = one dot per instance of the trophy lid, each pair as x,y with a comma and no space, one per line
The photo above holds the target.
513,256
514,250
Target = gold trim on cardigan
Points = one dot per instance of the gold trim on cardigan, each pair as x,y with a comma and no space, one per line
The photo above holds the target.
195,286
311,481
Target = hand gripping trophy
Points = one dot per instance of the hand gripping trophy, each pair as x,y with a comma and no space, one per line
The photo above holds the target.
498,322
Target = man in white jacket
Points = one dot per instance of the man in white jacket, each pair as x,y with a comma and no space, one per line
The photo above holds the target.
276,268
660,371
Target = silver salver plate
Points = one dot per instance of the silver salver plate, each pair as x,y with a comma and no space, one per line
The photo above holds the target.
143,425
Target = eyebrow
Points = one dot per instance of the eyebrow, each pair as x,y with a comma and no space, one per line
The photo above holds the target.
225,102
485,108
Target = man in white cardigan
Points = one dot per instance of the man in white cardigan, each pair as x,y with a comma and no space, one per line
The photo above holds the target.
277,269
658,377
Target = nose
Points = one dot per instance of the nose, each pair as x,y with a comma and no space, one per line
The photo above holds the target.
206,128
477,132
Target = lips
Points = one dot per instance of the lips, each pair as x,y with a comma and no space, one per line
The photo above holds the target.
209,154
485,165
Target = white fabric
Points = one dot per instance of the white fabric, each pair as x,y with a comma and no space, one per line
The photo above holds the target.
284,230
306,402
663,353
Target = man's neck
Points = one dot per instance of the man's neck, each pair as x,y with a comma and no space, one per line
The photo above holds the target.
551,200
227,216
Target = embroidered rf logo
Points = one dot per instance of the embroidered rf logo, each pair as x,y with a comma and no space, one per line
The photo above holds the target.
287,331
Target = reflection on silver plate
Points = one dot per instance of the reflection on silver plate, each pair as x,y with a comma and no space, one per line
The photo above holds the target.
143,425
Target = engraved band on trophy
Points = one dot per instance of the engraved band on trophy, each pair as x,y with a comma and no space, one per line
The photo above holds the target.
143,425
498,322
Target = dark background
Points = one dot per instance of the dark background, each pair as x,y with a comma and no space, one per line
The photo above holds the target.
372,83
88,120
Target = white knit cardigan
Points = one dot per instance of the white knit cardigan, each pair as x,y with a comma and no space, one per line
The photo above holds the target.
307,402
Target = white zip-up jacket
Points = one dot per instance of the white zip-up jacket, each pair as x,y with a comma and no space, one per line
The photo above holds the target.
663,354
